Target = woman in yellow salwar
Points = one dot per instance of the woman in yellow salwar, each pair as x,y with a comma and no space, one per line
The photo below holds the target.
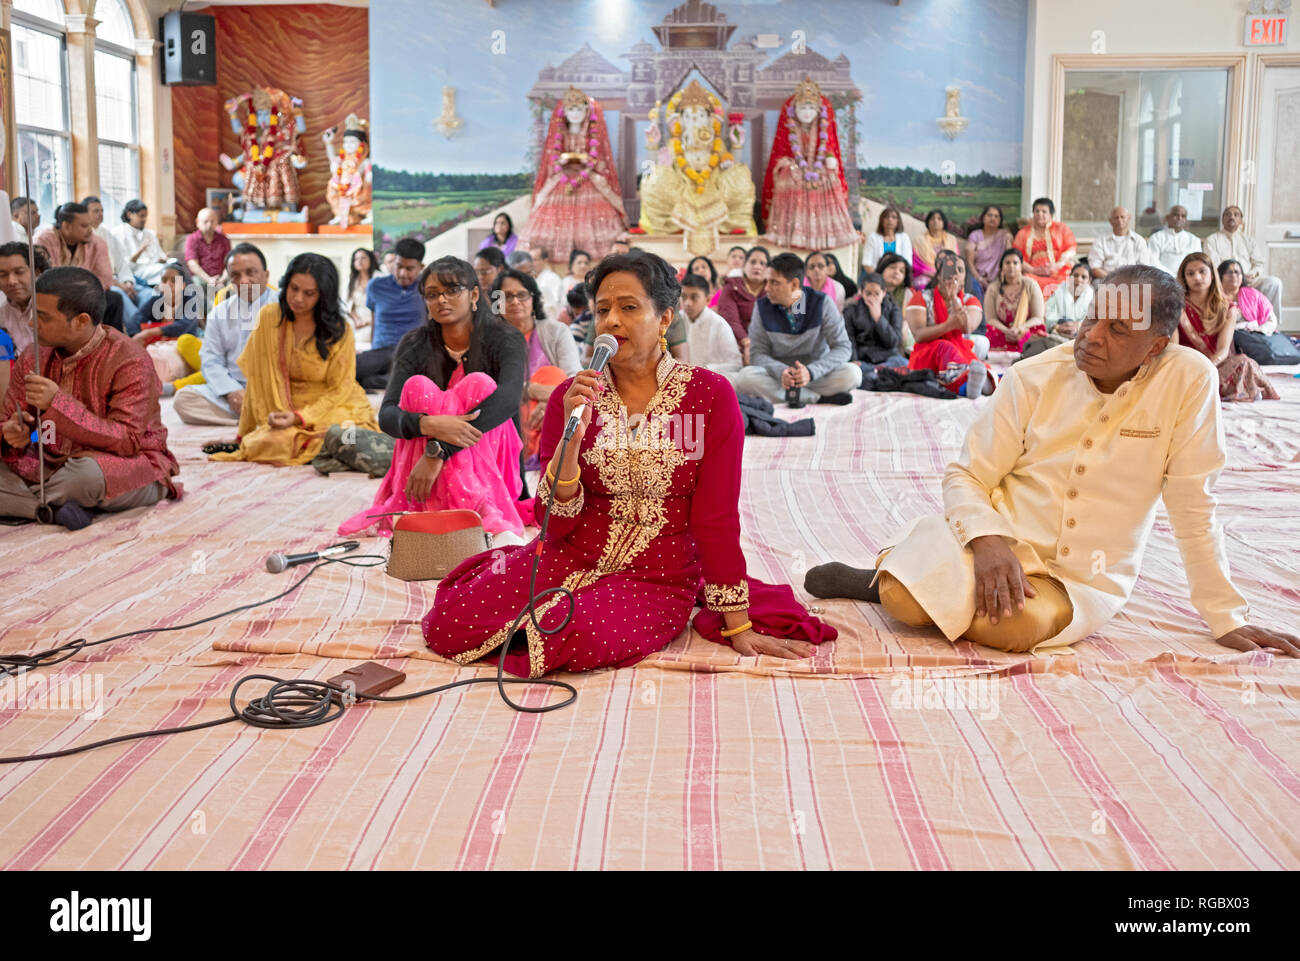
301,367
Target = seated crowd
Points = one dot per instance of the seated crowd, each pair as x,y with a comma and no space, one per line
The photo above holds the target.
476,359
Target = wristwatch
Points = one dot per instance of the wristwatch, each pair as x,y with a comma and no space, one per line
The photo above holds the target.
435,449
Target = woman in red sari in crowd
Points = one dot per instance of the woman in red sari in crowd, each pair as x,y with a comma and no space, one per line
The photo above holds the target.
576,199
942,319
1208,322
1048,246
644,519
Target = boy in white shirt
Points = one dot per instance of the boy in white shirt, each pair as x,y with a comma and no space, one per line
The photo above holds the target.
709,340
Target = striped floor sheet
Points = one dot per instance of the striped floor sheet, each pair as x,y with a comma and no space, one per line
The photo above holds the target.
1148,748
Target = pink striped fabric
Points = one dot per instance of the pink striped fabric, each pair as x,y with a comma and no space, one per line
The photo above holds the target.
1150,747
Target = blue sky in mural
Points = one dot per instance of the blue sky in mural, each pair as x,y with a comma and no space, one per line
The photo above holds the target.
902,58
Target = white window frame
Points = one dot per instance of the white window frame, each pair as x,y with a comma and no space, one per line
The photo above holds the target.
27,21
1234,64
116,50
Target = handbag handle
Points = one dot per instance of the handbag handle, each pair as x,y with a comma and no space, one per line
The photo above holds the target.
438,522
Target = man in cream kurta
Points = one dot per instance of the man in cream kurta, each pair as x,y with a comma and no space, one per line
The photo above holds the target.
1233,243
1055,490
1070,477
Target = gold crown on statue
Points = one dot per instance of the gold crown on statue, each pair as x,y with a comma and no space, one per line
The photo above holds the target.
695,96
808,91
573,97
354,126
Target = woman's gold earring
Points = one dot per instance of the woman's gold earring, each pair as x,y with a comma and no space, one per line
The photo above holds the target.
663,343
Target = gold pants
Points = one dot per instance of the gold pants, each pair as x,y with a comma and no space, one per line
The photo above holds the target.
1044,616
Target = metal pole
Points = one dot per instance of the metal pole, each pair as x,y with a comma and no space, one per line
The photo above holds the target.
44,513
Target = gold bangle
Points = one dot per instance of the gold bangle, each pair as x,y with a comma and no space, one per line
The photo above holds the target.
732,632
550,476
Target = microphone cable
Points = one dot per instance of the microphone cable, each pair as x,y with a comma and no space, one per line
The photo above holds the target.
11,665
302,703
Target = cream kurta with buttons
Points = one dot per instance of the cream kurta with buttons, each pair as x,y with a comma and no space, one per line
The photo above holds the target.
1071,477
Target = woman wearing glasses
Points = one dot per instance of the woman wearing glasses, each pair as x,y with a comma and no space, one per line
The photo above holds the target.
552,352
453,404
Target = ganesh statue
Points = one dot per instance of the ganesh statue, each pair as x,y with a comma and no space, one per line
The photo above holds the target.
349,190
269,124
805,197
576,198
697,188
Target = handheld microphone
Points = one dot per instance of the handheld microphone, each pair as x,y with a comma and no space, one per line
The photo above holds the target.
604,348
275,563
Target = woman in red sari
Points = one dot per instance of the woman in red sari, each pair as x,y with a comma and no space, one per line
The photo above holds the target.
942,320
1048,247
644,519
1208,321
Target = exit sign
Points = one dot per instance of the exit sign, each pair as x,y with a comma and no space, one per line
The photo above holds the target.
1265,30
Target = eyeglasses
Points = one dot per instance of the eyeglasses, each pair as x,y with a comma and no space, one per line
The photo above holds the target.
517,297
447,293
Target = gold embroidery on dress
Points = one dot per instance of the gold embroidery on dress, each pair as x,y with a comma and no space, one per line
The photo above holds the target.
726,597
569,508
638,477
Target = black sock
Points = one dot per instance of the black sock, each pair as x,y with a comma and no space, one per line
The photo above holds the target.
840,580
72,516
840,399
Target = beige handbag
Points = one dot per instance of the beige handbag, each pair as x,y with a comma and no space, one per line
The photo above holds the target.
427,545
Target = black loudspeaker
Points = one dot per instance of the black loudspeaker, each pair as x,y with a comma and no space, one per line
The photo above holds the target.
189,53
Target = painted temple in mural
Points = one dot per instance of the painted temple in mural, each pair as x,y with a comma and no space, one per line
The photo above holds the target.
695,44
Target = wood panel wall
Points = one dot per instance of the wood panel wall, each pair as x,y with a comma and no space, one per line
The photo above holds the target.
317,52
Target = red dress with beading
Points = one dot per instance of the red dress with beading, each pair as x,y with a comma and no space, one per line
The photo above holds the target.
655,519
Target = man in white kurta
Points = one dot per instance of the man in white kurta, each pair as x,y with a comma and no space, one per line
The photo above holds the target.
1120,248
709,340
218,400
1049,505
1169,246
1233,243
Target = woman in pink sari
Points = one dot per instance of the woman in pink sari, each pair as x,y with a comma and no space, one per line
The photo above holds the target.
1048,246
453,405
985,245
644,520
1256,313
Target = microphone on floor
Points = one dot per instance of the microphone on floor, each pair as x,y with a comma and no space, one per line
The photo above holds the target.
275,563
603,349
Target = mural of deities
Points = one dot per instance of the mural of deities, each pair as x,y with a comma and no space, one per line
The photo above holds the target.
885,67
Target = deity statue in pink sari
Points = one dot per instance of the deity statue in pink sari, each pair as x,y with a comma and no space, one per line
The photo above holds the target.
805,196
576,198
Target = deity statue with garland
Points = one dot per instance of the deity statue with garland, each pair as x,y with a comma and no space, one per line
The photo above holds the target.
349,190
805,197
268,123
576,198
701,190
